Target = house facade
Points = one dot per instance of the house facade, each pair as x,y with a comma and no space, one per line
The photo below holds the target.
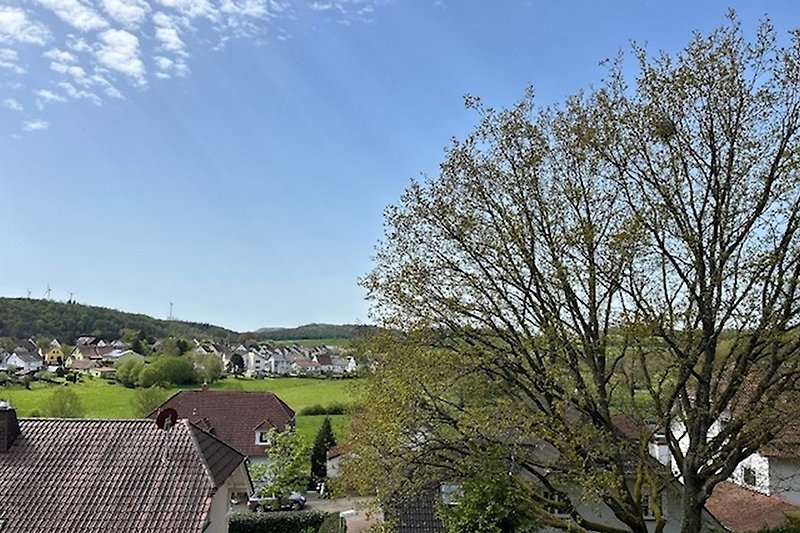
24,360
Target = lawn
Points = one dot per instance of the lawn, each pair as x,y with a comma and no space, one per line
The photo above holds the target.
309,425
102,399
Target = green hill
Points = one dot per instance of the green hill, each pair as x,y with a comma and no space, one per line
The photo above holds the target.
21,318
313,331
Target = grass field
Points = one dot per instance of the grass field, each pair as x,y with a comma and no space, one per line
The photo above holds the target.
105,400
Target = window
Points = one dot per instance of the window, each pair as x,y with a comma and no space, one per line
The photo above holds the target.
262,437
749,476
451,493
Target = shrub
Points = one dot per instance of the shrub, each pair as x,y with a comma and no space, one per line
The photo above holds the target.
332,409
145,400
63,403
333,524
792,525
276,522
312,410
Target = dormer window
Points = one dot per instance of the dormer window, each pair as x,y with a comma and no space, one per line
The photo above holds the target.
262,437
452,493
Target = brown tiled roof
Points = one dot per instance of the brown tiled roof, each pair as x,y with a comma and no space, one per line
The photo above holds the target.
415,514
232,416
87,476
82,364
741,509
220,459
95,351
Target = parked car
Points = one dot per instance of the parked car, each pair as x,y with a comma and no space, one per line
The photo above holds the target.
294,501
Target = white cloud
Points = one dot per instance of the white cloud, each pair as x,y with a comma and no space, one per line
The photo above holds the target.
76,14
192,8
78,44
60,56
44,97
130,13
35,125
96,80
72,70
119,51
15,26
10,60
13,105
167,68
79,94
96,49
245,8
168,35
321,6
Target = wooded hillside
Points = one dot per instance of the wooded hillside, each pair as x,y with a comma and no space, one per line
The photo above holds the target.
23,318
313,331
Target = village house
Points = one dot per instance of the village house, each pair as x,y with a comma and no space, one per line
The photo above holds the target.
53,355
93,476
240,419
22,359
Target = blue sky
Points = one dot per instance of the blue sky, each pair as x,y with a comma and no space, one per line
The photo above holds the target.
234,157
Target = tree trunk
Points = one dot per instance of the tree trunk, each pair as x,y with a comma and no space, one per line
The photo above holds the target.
692,509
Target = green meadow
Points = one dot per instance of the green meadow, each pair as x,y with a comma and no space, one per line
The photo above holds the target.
102,399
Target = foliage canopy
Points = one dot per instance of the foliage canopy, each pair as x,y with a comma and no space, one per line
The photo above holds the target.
633,251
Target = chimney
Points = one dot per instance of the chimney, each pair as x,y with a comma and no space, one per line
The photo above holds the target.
9,428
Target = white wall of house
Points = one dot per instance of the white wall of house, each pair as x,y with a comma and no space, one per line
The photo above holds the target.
220,511
773,476
784,478
16,361
753,473
279,364
255,364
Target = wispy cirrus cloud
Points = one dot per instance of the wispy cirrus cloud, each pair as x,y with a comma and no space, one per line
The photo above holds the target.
44,97
58,51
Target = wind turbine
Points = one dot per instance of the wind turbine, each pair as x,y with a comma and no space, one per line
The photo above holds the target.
46,295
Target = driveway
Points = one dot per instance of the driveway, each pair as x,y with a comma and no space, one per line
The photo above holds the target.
354,510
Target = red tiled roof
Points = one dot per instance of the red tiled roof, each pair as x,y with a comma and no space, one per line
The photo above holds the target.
88,476
232,416
741,509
